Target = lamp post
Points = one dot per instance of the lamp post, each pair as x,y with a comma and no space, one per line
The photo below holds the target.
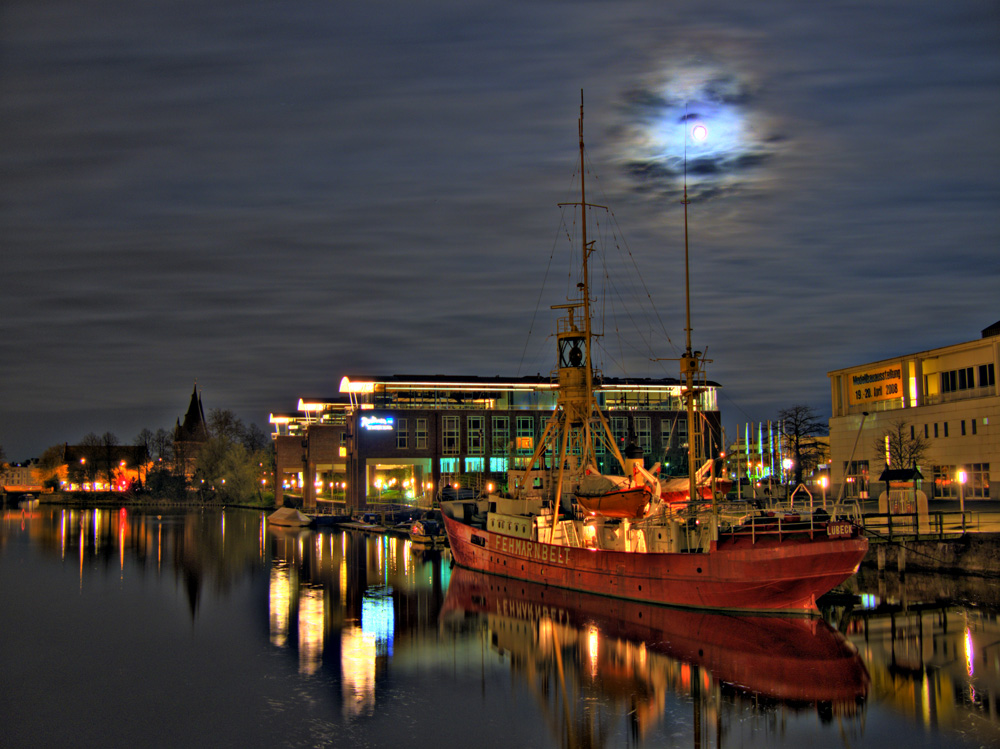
786,466
823,481
962,478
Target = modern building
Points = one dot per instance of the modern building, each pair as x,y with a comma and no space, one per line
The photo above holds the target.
945,397
403,437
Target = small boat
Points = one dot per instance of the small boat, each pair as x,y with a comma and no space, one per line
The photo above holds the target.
288,517
675,489
552,529
613,496
428,530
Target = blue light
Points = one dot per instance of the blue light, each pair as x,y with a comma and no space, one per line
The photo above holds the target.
378,618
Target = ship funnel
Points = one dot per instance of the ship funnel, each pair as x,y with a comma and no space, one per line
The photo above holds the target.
633,456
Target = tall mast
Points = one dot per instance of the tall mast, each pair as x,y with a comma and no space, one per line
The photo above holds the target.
586,253
690,363
571,422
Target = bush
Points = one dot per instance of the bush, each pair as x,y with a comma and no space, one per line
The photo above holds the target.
164,484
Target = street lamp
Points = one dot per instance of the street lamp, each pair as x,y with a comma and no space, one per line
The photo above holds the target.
962,478
823,481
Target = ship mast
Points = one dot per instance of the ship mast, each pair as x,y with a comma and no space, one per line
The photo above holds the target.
572,421
692,361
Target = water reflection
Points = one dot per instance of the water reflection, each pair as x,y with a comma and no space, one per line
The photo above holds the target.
931,659
352,593
591,660
364,624
192,544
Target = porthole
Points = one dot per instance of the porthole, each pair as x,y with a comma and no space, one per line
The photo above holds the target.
699,570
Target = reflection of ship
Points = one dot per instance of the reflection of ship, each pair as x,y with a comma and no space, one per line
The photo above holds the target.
793,660
625,539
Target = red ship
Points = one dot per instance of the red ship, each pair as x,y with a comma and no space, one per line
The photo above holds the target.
700,554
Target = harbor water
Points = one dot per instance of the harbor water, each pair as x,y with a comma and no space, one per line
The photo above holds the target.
180,627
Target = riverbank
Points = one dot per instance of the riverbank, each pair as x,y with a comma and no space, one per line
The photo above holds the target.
119,499
971,554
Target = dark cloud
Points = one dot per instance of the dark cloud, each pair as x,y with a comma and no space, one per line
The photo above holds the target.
265,196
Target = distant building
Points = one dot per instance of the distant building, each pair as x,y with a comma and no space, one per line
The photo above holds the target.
402,437
17,477
190,436
100,467
947,395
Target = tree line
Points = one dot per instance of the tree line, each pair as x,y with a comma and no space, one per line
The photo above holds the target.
236,464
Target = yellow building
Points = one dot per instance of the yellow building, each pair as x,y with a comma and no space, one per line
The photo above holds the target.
947,396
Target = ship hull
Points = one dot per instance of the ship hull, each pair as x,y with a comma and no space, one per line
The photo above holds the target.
740,573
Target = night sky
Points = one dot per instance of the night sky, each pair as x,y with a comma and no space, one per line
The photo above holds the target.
264,196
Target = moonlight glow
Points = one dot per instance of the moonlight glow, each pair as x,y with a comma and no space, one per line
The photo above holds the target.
695,120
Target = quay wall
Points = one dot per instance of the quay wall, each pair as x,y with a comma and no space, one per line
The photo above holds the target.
971,554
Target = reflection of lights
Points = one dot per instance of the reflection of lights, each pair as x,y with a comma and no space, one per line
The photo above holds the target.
592,643
279,600
868,601
311,628
357,662
925,701
121,541
343,581
378,618
970,653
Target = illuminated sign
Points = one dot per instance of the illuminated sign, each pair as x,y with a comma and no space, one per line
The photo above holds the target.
875,384
377,423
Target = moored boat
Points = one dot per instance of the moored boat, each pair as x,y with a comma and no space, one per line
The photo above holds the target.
428,530
288,517
625,540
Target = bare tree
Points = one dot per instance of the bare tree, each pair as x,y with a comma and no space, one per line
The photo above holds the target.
108,443
800,427
900,446
86,469
255,439
225,424
161,445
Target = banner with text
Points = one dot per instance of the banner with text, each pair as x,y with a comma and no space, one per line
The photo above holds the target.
875,384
